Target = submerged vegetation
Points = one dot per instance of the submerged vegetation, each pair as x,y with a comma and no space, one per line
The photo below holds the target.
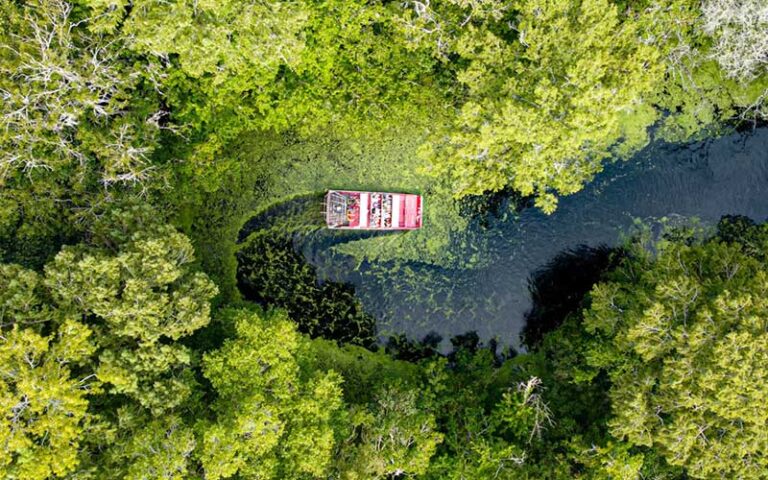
271,272
158,321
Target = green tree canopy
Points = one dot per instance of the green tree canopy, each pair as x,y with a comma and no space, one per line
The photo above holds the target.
234,67
490,420
146,447
79,124
140,300
551,87
43,402
683,338
100,326
43,385
699,95
275,417
396,435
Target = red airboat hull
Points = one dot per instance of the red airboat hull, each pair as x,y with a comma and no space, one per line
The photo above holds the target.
353,210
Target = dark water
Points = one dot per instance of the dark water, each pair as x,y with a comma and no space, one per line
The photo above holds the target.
728,175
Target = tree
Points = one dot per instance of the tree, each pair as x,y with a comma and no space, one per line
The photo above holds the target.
491,423
228,58
90,351
78,125
395,436
698,94
44,405
551,87
145,448
65,99
141,300
43,390
275,416
682,337
739,29
234,67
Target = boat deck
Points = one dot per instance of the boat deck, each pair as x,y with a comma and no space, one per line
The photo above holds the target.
373,210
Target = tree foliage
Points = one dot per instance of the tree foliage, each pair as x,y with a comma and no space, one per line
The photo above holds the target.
267,65
698,95
397,436
682,337
103,326
140,301
275,418
78,125
492,419
67,100
145,447
549,85
43,387
43,402
739,27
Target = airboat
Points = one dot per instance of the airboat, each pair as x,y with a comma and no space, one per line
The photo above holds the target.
352,210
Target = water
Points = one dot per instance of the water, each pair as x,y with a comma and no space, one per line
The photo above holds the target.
728,175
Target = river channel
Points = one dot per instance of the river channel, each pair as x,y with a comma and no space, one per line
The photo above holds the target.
676,182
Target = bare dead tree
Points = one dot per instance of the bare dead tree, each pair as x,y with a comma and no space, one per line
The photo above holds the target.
531,394
740,30
57,77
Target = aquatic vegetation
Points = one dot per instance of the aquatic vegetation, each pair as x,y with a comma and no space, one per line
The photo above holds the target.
271,272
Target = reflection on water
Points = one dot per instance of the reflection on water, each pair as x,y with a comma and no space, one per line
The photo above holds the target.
707,179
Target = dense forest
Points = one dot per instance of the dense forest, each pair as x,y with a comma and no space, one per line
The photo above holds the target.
149,330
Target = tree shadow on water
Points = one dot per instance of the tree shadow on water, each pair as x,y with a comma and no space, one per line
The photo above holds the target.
558,289
430,346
